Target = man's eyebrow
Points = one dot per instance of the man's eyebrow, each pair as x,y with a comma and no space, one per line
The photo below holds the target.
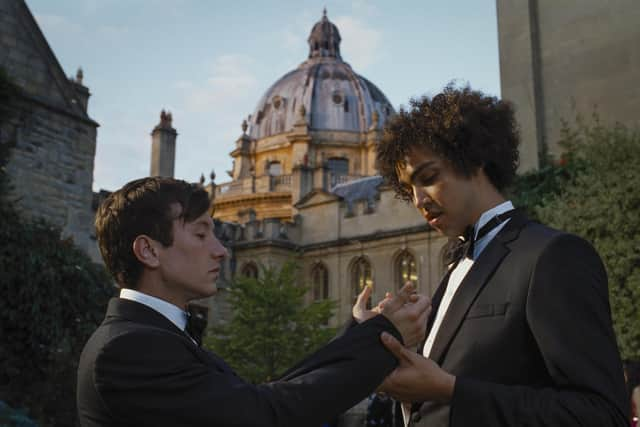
420,168
203,223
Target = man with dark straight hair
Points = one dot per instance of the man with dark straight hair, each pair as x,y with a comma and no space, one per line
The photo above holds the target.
520,333
141,367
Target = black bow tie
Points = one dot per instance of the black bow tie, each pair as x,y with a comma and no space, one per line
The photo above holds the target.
196,324
463,246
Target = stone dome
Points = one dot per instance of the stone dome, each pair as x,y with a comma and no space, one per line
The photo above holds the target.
334,97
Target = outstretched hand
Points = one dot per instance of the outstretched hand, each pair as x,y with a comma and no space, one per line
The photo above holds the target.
360,311
408,312
416,379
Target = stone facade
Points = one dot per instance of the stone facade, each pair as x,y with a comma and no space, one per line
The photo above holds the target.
53,138
336,232
563,59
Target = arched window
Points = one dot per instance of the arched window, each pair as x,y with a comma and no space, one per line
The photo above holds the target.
405,269
250,269
361,276
320,282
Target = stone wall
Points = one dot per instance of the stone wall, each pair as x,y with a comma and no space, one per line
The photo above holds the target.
563,59
51,164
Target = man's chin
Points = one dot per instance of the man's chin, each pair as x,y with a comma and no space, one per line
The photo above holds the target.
206,292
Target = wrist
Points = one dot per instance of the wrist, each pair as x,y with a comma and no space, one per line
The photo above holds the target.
447,387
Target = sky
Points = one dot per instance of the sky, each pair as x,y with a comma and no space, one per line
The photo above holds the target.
209,62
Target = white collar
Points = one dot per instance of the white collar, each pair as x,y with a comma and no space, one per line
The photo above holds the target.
172,312
487,215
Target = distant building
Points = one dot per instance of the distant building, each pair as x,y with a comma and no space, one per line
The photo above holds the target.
304,186
51,164
559,59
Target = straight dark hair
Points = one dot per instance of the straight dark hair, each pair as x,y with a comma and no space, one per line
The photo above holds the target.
143,207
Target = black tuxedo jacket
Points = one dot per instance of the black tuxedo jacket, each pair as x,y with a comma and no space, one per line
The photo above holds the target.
529,337
139,369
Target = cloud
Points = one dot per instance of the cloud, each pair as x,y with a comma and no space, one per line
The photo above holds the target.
360,43
295,32
229,84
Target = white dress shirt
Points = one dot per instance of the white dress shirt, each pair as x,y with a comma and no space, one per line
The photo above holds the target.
456,277
463,267
172,312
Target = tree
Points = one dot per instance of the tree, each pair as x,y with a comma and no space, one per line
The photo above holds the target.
271,328
598,197
51,298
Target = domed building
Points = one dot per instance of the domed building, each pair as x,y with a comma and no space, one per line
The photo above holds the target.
312,129
304,186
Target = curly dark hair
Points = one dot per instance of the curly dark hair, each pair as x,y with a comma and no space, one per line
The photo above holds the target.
143,206
465,127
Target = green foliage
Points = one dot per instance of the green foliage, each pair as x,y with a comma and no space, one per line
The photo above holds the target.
602,204
594,192
51,298
535,188
271,328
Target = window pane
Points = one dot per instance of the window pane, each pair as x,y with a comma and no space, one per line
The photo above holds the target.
361,277
275,169
406,268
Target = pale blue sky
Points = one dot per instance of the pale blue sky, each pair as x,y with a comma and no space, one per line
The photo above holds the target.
209,62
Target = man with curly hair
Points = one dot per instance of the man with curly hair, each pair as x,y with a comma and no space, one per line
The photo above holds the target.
520,332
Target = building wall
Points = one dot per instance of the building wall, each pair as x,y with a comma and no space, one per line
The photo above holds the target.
325,233
382,254
51,165
563,59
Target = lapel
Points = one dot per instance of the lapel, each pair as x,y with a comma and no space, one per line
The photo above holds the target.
473,283
120,308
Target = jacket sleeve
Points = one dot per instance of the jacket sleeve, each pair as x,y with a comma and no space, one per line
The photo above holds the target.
569,316
145,379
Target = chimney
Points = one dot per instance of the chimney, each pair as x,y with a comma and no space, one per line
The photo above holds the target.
163,147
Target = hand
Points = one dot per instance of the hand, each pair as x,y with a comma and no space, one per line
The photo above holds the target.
360,312
408,312
416,379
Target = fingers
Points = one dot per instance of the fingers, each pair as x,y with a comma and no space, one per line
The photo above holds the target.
363,297
402,297
394,346
381,304
420,305
407,290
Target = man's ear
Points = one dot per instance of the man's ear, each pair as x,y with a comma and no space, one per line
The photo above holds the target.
145,249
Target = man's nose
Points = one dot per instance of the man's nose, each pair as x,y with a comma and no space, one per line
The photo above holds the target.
420,197
218,250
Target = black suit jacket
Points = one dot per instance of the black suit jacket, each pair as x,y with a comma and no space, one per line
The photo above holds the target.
529,337
139,369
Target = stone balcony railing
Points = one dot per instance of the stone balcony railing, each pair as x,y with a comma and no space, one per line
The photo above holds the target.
280,183
262,184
